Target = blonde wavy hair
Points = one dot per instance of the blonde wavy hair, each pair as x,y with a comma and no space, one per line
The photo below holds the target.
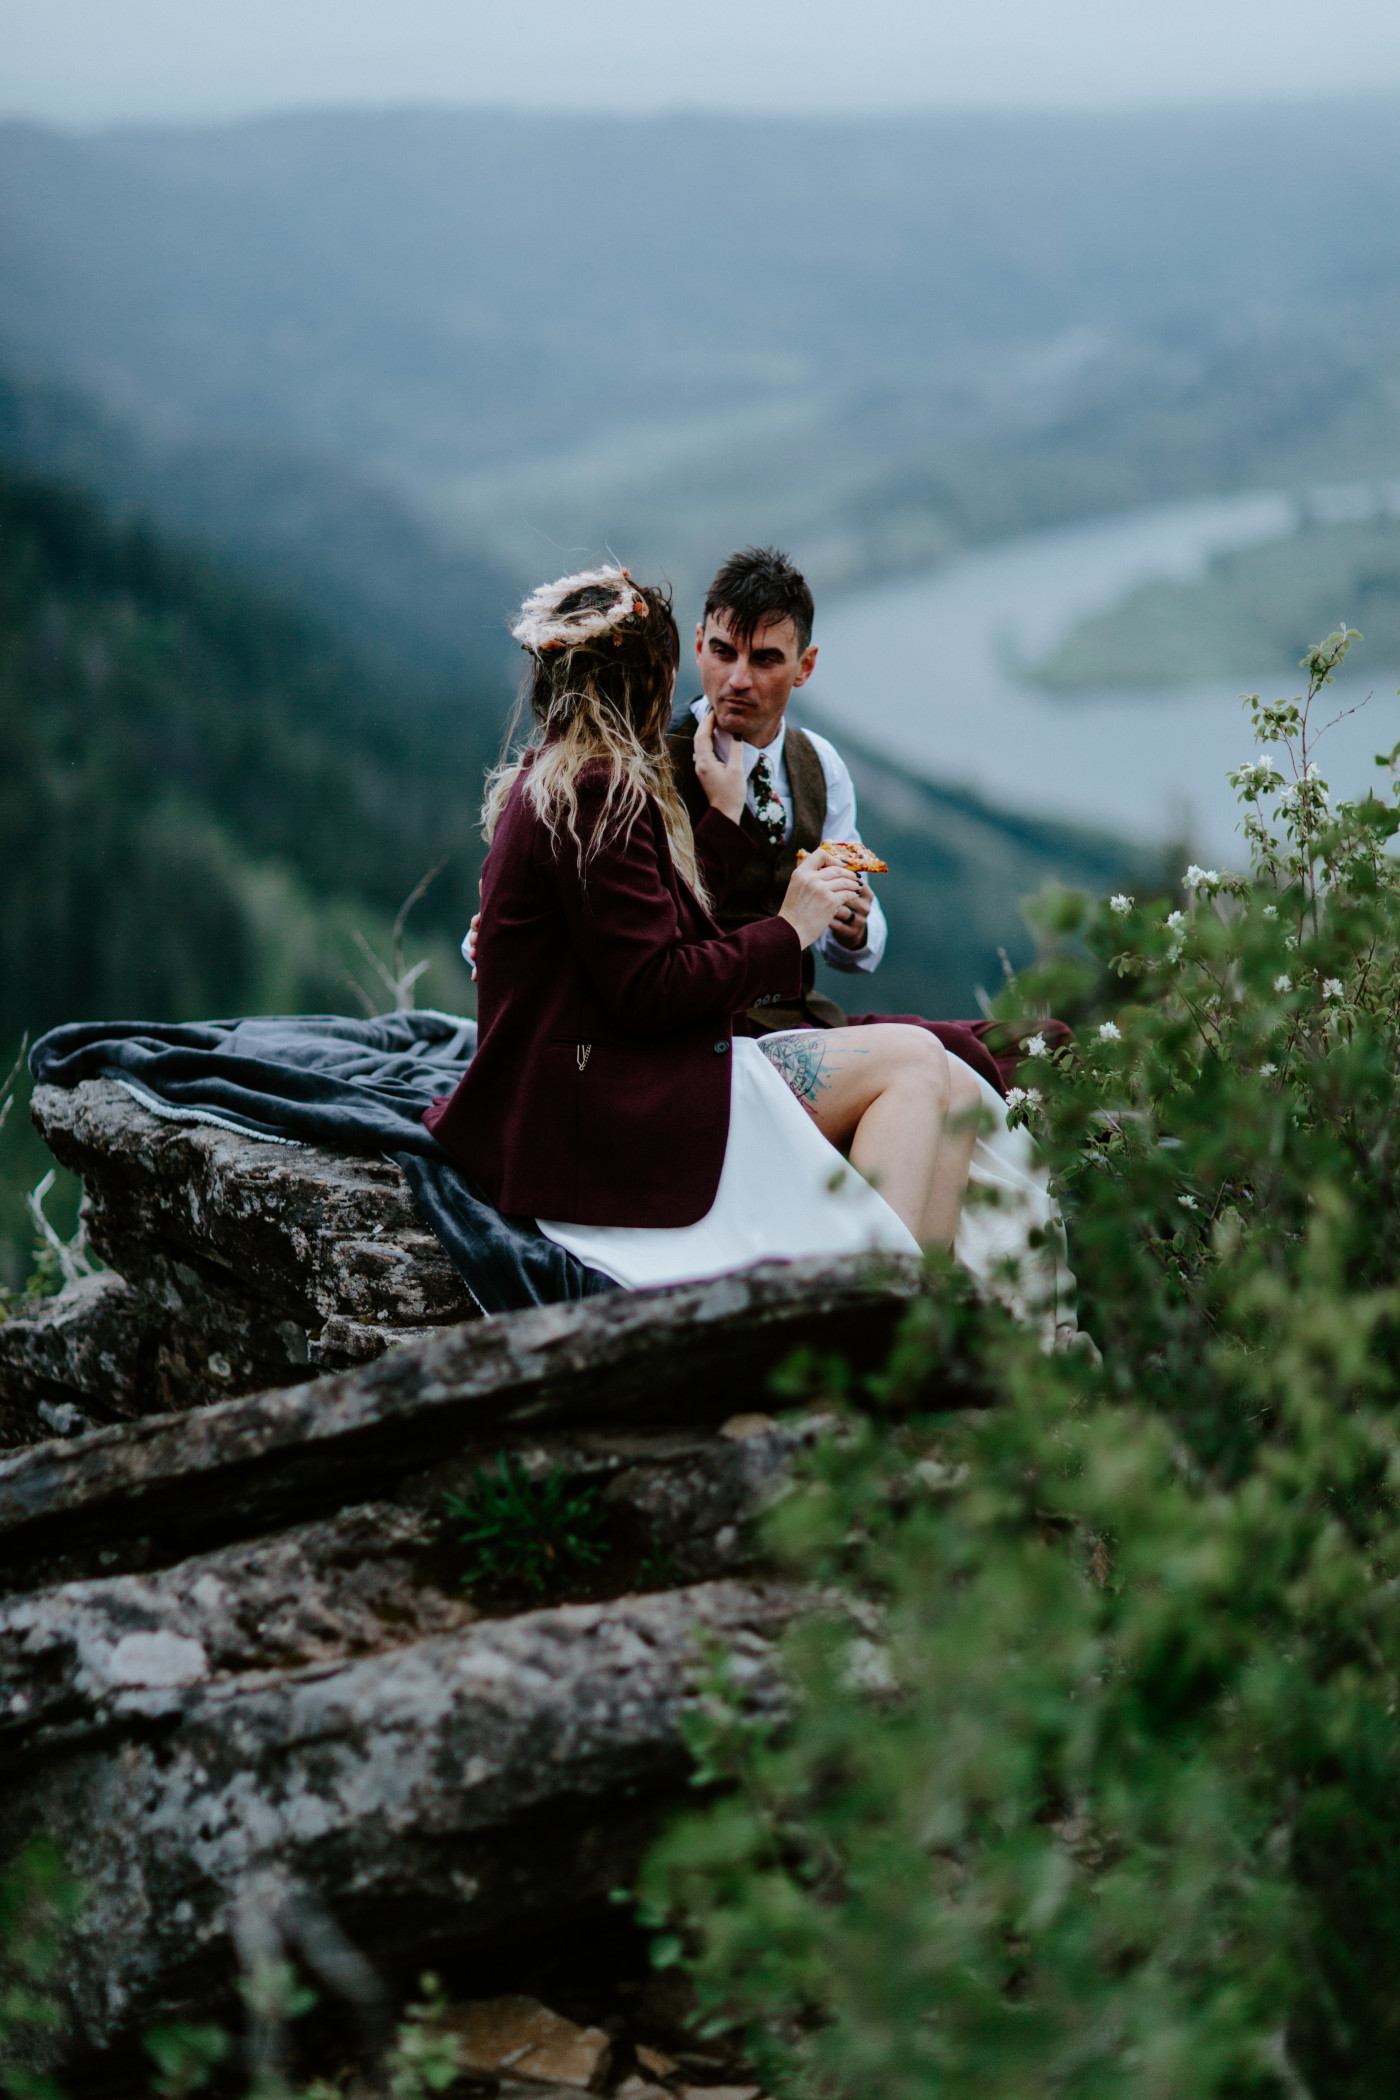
600,695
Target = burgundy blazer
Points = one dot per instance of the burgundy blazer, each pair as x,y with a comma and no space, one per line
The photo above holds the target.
599,1092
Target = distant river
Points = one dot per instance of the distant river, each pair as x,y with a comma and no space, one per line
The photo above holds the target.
922,671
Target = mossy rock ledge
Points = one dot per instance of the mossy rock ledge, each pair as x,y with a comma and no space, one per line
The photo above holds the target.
243,1672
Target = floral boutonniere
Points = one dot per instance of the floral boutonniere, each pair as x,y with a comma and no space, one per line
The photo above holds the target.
766,806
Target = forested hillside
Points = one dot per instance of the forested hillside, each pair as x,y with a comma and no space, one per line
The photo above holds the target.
201,795
198,792
343,547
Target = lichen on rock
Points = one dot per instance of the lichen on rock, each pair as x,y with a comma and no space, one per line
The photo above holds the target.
237,1643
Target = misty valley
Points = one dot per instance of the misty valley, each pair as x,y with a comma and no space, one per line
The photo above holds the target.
291,416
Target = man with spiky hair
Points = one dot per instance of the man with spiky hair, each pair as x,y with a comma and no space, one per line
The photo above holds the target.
754,650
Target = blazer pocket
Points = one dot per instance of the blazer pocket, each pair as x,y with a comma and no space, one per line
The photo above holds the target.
582,1052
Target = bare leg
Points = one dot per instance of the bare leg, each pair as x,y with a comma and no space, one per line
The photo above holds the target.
886,1099
949,1184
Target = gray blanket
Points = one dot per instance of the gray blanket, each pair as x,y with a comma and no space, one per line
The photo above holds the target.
351,1086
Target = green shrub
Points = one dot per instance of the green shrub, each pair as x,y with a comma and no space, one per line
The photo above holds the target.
38,1901
519,1531
54,1261
186,2056
1091,1781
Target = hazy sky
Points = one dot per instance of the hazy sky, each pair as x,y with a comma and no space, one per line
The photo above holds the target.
91,61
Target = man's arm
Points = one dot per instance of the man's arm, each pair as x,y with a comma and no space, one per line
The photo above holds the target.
857,945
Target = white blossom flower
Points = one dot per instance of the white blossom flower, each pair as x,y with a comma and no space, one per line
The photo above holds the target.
869,1668
1267,1071
1270,911
1200,878
1121,905
1037,1047
1109,1032
1332,989
935,1474
1188,1202
1283,982
1176,920
1016,1097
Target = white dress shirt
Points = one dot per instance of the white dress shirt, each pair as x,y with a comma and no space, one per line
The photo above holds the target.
840,824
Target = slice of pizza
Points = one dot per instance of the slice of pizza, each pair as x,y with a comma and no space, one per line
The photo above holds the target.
859,859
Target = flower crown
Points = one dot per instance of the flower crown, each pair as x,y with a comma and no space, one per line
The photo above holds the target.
579,609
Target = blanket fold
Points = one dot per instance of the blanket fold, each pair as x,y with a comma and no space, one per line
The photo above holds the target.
348,1086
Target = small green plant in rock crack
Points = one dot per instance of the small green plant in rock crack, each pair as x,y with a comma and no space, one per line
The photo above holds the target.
39,1902
186,2057
521,1531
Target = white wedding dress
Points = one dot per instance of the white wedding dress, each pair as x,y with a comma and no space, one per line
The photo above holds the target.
784,1192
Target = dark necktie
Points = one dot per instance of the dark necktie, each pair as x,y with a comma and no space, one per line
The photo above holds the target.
766,806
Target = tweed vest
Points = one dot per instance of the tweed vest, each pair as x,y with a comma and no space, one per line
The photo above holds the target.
758,889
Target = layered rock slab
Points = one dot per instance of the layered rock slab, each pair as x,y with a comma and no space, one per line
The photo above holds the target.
235,1645
688,1353
81,1659
76,1360
236,1265
464,1785
316,1234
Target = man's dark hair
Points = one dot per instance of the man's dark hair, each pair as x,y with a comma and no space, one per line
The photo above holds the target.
759,585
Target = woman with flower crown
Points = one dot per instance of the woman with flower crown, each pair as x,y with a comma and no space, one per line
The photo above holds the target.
610,1097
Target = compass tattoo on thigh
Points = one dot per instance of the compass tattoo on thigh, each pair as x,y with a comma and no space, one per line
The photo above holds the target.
806,1061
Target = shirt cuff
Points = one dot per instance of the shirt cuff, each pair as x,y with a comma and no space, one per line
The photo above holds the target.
839,957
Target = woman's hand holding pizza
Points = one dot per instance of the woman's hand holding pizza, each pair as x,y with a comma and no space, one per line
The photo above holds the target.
849,925
820,890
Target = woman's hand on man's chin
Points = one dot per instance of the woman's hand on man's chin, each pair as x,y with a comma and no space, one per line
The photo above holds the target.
724,781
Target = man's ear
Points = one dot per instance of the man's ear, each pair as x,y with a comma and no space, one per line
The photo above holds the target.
699,639
807,665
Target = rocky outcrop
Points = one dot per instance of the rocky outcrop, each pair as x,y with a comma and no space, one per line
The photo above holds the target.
236,1265
77,1656
253,1671
694,1353
84,1357
314,1234
459,1786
